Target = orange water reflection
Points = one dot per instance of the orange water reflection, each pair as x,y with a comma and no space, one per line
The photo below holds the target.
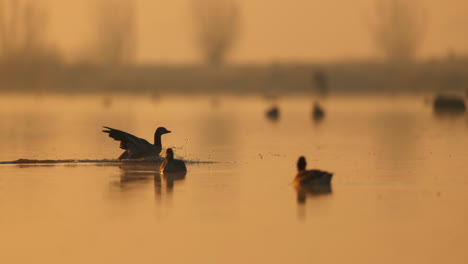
399,190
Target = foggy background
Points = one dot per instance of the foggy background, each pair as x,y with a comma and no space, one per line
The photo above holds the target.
152,45
270,29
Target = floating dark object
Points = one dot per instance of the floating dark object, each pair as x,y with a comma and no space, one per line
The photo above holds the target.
311,182
171,165
135,147
449,104
273,113
310,177
318,113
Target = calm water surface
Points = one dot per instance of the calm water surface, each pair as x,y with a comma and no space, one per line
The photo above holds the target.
399,194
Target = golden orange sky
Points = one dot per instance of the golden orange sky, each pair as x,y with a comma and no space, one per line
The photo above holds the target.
271,30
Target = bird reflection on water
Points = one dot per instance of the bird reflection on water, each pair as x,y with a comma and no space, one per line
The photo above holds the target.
139,175
167,179
312,191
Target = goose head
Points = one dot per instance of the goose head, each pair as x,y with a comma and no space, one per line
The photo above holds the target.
161,131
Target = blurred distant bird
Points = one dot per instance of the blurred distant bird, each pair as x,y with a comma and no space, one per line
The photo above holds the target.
136,147
449,104
273,113
171,165
318,113
310,177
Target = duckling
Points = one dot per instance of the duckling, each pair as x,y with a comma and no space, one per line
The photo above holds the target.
136,147
171,165
310,177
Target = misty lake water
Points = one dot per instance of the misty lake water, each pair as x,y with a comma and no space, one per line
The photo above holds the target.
399,192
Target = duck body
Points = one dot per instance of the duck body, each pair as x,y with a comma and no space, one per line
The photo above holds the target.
171,165
311,177
135,147
452,104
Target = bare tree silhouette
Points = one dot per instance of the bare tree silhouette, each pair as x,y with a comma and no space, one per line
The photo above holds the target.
115,40
217,28
23,28
398,29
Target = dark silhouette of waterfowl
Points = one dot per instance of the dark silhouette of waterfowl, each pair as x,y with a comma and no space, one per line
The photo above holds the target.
449,104
169,179
273,113
135,147
310,177
318,113
171,165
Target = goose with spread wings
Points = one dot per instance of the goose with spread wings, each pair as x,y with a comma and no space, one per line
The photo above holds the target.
135,147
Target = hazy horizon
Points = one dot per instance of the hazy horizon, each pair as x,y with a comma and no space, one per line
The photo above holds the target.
270,30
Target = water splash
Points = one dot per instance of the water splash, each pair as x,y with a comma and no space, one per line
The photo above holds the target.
95,161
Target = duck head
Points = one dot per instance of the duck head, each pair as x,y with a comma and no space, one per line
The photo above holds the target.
301,164
169,154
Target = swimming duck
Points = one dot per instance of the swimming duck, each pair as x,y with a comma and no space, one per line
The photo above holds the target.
310,177
171,165
449,104
136,147
318,113
273,113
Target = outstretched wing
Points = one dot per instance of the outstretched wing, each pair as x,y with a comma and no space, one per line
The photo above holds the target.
127,141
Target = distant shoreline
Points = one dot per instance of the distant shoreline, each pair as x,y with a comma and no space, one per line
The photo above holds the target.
450,75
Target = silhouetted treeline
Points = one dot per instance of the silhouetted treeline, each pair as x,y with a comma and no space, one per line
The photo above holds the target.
443,75
114,42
